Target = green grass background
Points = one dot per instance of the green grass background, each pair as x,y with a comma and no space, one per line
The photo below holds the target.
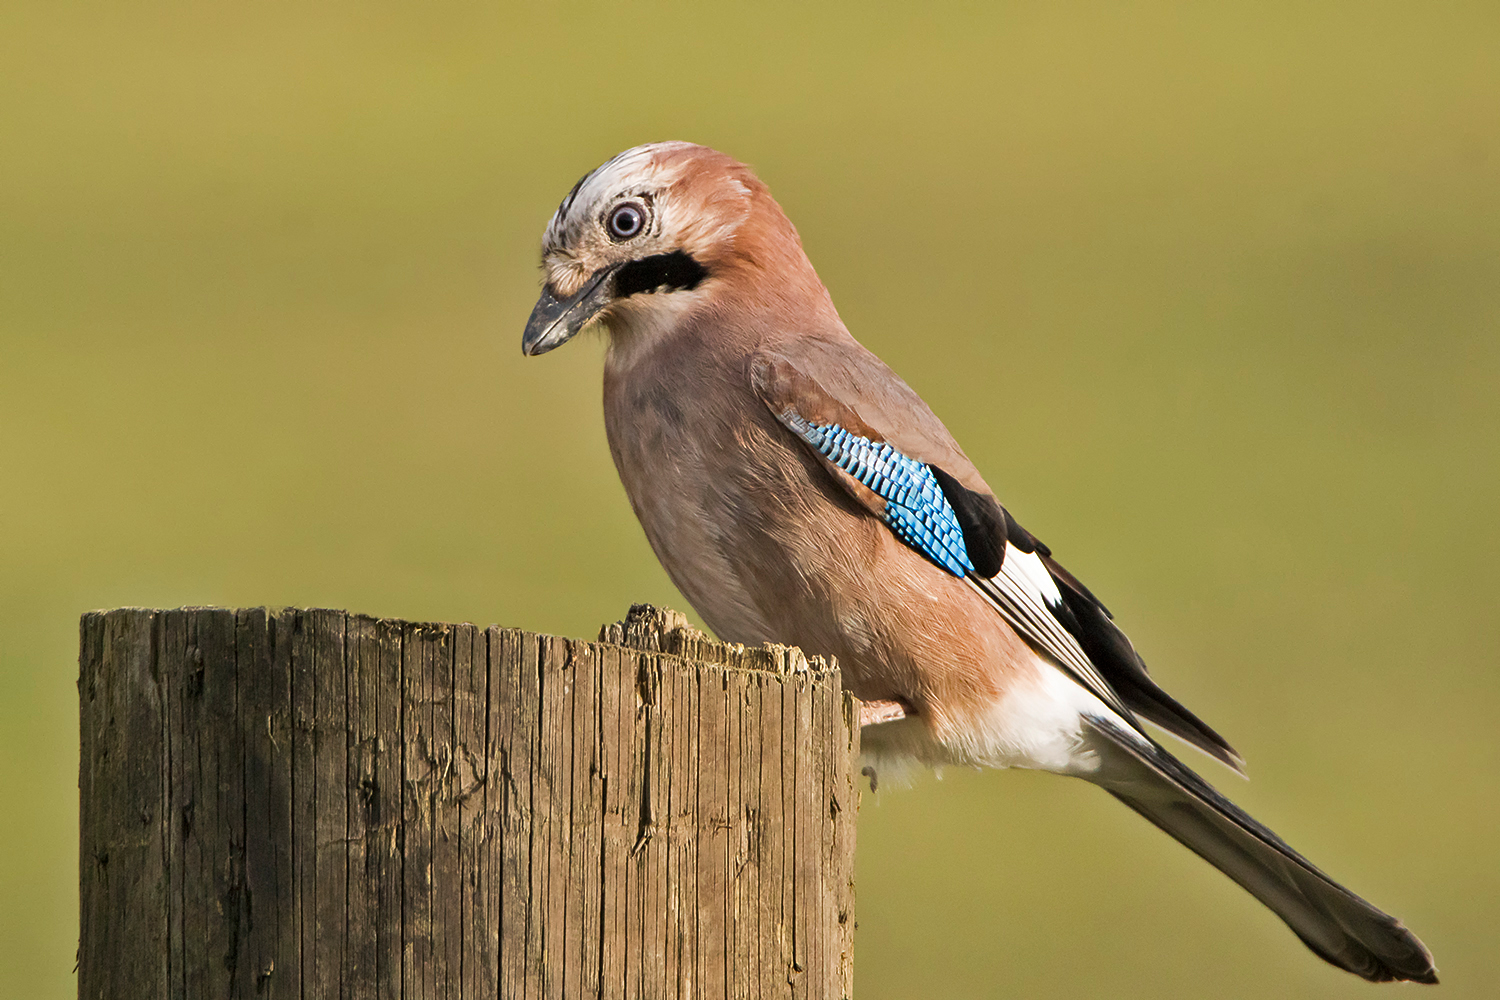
1211,292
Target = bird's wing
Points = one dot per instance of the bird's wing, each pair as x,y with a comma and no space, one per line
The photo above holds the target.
882,443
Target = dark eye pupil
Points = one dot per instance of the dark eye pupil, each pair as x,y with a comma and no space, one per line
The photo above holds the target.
625,222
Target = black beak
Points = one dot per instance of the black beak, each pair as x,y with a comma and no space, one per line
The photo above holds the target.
554,321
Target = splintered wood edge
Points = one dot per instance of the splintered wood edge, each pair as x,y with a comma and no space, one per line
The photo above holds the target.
648,628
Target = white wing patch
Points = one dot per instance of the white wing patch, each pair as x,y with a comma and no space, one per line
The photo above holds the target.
1024,593
1026,569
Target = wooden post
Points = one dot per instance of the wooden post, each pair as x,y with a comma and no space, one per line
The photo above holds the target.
312,804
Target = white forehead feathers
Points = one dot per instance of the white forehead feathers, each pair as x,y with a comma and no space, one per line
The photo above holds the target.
659,174
633,172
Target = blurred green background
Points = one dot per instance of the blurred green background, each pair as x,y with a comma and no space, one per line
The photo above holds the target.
1210,292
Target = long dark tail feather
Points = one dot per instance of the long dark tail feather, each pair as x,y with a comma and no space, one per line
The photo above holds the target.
1335,923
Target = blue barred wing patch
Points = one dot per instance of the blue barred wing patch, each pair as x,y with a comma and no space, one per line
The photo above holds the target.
915,510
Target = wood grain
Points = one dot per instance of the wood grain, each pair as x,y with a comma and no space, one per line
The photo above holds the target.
293,803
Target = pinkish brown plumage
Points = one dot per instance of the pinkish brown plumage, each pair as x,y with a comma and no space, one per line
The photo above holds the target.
797,491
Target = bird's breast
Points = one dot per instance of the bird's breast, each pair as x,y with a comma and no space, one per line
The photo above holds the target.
673,438
723,493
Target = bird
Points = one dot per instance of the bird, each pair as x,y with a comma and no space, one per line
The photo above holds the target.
797,491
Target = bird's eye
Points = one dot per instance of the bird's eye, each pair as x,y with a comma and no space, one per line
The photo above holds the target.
627,221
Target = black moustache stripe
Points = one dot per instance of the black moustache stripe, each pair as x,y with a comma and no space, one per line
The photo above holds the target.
670,271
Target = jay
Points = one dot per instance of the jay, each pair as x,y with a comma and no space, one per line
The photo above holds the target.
798,491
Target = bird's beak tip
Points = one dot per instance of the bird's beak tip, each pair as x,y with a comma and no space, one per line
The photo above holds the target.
555,320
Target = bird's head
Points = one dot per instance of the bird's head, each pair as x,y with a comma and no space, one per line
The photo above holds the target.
657,231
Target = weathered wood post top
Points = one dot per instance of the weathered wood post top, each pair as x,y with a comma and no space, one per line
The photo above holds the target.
308,803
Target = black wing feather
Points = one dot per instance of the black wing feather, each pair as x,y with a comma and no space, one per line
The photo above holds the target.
987,527
1115,656
982,519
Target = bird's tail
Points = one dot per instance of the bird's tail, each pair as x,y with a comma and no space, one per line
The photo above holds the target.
1335,923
